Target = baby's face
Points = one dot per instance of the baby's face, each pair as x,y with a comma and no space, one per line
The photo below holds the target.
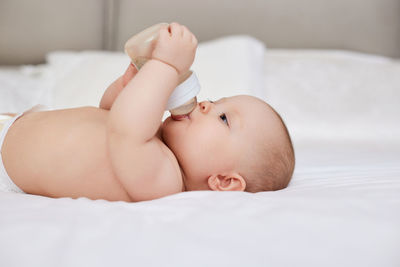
218,136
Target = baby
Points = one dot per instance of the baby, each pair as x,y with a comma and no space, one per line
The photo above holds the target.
122,150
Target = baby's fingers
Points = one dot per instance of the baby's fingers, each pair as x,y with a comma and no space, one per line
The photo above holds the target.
186,34
176,29
164,32
194,40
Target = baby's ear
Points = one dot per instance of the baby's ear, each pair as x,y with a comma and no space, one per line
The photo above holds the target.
226,182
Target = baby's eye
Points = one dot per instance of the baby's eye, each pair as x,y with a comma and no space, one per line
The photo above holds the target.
224,118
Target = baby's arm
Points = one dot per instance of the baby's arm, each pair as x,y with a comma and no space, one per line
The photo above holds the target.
140,160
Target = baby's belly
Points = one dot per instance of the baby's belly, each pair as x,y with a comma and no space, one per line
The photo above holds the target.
62,153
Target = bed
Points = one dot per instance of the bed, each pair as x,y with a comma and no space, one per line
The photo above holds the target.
342,207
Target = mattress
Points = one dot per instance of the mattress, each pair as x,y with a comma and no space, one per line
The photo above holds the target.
342,207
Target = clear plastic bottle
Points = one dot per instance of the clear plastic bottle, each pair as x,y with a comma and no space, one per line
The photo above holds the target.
140,47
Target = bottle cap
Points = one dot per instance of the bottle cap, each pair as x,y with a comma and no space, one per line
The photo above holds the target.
184,92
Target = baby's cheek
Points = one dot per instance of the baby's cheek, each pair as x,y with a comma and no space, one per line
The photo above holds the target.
171,129
205,146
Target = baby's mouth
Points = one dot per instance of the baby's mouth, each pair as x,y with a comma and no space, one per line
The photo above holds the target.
180,117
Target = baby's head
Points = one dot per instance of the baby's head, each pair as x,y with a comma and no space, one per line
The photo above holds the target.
236,143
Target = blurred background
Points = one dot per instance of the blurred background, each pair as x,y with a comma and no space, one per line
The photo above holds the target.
30,29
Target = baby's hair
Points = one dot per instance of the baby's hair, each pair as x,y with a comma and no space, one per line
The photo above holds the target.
274,166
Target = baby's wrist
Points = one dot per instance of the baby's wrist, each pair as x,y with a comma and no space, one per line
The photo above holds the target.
167,64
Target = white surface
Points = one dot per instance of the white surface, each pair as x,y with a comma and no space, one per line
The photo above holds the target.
342,207
335,94
21,88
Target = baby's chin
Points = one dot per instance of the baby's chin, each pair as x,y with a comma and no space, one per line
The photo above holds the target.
175,136
167,124
172,129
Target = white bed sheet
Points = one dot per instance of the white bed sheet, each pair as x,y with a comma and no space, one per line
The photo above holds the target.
342,207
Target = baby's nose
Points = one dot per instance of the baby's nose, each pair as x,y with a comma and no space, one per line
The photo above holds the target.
205,106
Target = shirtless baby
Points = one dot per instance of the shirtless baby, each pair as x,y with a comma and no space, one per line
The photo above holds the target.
123,151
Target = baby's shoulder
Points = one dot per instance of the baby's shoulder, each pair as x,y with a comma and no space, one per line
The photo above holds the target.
147,171
169,159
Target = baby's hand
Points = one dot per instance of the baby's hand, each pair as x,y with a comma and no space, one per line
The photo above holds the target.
176,46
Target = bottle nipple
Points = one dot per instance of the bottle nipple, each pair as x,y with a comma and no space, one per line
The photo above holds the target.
186,108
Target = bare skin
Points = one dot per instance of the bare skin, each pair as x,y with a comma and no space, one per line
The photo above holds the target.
64,152
122,150
107,152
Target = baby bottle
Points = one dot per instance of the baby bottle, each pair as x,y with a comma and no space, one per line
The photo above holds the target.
183,99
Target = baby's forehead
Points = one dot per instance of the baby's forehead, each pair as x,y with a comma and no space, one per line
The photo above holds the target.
248,105
258,118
